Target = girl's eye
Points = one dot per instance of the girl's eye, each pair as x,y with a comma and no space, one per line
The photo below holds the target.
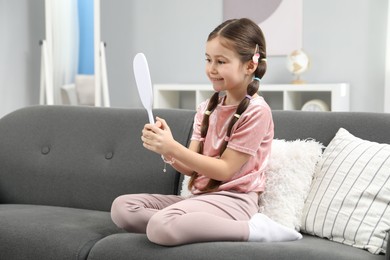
220,62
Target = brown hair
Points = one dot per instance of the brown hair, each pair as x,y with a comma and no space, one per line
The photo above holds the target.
246,38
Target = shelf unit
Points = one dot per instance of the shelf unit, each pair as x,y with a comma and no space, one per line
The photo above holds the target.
278,96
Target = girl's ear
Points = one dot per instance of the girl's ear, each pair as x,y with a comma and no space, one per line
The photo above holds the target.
251,67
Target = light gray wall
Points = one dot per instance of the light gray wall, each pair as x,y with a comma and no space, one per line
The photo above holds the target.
347,41
21,28
171,33
344,39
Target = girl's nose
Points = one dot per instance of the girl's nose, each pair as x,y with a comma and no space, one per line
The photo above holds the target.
212,67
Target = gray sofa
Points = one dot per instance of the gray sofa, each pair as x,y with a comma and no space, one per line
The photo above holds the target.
61,167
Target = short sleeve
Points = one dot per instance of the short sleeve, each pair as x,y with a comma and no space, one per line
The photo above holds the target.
198,120
252,128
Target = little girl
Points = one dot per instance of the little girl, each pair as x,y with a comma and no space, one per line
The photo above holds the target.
226,158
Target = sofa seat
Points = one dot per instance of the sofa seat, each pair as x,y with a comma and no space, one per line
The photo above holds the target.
127,246
66,233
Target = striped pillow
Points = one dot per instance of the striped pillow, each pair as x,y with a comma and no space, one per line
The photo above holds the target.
350,194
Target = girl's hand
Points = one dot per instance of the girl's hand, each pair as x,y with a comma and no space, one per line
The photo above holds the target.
158,137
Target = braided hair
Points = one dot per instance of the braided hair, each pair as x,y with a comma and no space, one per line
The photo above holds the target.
246,38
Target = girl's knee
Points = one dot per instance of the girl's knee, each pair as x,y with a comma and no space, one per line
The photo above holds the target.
129,214
117,213
161,230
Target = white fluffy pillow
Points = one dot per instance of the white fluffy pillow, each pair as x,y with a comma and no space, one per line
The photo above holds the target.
184,187
289,176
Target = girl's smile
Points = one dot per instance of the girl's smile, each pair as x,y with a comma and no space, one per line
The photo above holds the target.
216,79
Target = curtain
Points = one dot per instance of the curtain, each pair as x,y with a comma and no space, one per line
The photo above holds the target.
65,44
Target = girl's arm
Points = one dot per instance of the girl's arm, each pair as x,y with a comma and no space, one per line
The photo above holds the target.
181,167
158,138
221,169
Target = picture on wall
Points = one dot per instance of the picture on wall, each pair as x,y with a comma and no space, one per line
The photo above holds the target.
280,20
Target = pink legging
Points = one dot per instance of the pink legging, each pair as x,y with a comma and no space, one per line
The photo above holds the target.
173,220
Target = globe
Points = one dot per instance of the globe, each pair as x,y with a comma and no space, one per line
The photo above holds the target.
297,63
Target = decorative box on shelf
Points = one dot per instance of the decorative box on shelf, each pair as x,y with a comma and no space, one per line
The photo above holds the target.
333,97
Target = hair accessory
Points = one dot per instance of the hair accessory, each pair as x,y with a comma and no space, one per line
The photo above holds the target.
264,59
226,139
237,116
255,58
201,139
248,97
207,112
172,161
256,55
256,78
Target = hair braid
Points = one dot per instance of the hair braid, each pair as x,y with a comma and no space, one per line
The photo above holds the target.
213,102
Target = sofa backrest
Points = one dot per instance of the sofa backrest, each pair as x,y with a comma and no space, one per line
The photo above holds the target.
85,157
82,157
322,126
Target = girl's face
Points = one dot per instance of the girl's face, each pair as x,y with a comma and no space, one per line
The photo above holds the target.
224,68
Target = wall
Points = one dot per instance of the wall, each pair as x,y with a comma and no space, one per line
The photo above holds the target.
171,33
387,68
346,43
21,28
345,40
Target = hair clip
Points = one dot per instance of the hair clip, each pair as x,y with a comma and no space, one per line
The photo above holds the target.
264,59
237,116
207,112
255,58
256,55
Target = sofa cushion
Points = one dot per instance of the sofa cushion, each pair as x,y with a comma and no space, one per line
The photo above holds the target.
137,246
44,232
350,196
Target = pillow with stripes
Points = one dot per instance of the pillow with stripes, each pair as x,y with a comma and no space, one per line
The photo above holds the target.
349,197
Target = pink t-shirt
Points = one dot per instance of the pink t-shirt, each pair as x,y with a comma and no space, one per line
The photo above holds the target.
252,134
